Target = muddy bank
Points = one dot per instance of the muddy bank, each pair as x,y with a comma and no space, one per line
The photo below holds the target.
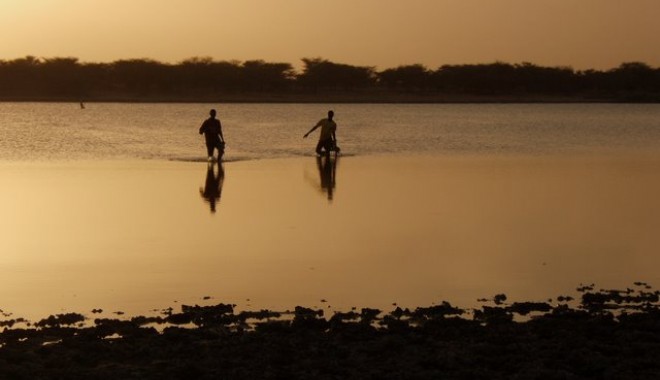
594,334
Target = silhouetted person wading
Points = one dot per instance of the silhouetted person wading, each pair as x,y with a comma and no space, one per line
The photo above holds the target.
212,130
327,139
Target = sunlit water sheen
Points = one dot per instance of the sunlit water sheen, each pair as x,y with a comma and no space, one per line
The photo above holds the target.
104,207
56,131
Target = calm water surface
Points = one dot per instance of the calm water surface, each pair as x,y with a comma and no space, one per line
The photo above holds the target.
108,207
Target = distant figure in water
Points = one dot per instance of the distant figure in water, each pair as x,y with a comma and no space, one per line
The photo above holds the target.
82,105
212,130
212,190
327,139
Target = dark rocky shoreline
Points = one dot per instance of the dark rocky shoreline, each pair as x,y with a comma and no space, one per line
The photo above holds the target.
603,334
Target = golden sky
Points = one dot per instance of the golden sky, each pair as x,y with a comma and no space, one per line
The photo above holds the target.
583,34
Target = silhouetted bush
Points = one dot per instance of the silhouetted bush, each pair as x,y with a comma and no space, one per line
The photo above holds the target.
66,78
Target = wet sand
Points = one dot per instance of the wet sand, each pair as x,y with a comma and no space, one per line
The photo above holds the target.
139,236
608,334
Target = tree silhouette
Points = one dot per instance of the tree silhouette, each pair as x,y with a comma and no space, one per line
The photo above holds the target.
408,78
319,74
202,78
140,76
262,76
20,76
61,76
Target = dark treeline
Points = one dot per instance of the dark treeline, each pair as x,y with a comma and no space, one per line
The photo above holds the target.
205,79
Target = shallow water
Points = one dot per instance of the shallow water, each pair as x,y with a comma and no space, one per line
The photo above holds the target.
111,206
63,131
413,230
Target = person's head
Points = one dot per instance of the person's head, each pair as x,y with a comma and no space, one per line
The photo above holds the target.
212,113
331,114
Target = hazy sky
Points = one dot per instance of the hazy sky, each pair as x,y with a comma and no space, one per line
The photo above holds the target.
383,33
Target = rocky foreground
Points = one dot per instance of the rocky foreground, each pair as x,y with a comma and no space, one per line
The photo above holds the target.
604,334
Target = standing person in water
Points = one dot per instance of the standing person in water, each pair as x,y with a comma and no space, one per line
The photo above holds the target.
327,139
212,130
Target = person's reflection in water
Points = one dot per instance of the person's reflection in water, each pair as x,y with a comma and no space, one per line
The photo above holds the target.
212,189
327,165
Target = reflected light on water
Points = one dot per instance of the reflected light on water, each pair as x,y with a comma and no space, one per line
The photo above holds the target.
412,230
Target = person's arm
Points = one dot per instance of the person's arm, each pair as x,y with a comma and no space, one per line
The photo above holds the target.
201,129
313,128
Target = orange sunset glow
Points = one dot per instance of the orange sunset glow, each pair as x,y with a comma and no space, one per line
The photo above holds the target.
598,34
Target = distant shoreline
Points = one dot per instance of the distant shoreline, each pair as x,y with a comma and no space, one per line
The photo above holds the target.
340,98
320,81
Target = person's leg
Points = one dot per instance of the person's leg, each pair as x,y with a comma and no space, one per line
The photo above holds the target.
209,150
328,145
221,150
319,146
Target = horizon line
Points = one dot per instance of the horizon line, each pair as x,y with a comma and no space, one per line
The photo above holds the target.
240,62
